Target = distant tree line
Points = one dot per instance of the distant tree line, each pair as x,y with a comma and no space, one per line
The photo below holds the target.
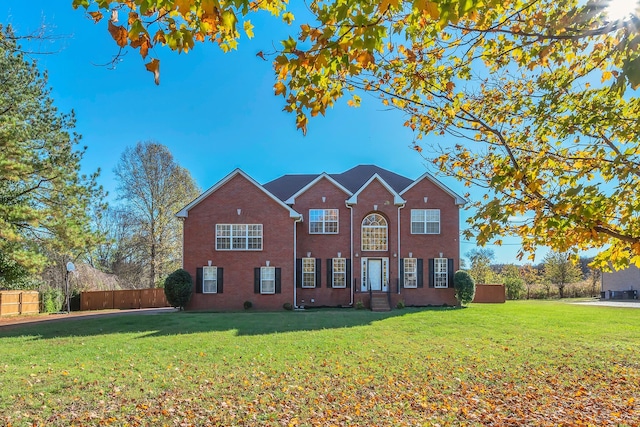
558,275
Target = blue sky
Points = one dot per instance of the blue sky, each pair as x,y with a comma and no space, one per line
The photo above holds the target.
215,112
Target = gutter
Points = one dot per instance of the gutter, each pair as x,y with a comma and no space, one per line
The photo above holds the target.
351,249
399,257
295,249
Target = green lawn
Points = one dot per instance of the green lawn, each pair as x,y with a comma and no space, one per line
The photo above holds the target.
536,363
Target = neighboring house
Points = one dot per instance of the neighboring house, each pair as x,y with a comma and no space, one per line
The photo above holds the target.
621,284
366,235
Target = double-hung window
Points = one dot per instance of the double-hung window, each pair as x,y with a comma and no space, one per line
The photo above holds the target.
239,237
440,279
339,272
267,280
323,221
425,221
410,272
308,272
210,280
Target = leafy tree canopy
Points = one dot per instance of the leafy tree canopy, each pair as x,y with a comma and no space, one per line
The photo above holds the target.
43,196
540,94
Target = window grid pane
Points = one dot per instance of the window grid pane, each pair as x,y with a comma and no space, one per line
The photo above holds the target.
267,280
410,273
374,233
209,280
239,237
425,221
440,272
323,221
339,272
308,272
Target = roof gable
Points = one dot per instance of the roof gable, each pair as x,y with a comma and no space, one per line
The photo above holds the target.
397,200
184,212
288,185
356,177
459,200
291,200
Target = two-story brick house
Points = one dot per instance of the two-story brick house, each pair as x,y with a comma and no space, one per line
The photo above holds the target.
322,240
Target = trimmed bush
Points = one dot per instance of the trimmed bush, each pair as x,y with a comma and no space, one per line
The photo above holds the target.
287,306
400,305
178,287
247,305
359,305
465,287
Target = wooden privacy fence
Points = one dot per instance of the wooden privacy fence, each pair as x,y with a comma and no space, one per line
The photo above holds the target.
19,302
124,299
489,294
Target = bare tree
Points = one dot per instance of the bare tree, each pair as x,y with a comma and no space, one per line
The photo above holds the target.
154,188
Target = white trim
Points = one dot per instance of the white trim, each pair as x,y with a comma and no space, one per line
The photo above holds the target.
397,200
184,212
292,200
459,200
414,272
262,280
425,221
343,273
386,237
246,237
436,272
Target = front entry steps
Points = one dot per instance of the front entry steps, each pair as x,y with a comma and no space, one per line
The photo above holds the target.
380,302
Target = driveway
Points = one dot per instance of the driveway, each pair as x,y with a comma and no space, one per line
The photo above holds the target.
612,303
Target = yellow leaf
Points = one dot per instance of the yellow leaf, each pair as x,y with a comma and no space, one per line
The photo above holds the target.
248,29
280,88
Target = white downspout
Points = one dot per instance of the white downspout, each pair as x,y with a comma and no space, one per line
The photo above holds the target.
399,257
352,259
295,249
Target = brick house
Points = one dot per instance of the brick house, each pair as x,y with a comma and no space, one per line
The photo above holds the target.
366,235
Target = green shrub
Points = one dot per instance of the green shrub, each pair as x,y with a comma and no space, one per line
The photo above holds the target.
514,288
178,287
52,300
287,306
400,305
247,305
465,287
359,305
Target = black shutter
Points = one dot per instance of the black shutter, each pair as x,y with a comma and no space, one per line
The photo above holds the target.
298,272
199,280
329,273
348,273
318,273
278,280
220,279
401,272
256,280
450,272
431,268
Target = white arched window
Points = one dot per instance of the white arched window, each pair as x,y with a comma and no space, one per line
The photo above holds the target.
374,233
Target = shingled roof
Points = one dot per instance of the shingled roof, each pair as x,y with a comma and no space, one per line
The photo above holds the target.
287,185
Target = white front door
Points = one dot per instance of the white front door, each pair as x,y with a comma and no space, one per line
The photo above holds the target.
375,274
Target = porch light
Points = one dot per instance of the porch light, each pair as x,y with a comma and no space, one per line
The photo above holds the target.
440,254
410,254
268,262
308,254
209,263
339,254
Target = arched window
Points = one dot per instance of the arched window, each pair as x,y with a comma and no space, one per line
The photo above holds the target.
374,233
